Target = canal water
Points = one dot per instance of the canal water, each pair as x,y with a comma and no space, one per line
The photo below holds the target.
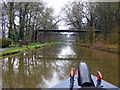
49,66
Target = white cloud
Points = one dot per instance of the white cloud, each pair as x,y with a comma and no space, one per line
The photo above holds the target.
57,5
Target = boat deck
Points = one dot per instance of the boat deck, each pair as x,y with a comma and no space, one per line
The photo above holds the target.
66,83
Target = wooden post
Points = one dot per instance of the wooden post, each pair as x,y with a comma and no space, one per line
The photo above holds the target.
35,36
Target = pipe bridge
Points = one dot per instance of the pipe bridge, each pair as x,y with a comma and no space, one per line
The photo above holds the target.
52,32
55,30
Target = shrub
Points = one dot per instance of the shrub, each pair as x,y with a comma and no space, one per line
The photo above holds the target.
113,38
4,42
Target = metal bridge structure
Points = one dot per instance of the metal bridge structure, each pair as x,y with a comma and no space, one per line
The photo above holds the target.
78,31
55,32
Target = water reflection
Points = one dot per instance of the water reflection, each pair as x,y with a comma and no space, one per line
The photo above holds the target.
66,52
29,72
45,68
0,74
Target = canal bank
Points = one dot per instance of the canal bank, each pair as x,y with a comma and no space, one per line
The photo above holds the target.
100,46
15,50
47,67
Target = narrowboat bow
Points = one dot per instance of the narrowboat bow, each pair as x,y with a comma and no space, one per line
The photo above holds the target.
84,79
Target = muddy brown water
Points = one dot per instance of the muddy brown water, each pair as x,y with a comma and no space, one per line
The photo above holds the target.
49,66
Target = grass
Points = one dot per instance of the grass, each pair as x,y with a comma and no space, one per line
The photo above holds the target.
12,51
21,49
34,43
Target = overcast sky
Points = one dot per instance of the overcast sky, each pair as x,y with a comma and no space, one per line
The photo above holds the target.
57,5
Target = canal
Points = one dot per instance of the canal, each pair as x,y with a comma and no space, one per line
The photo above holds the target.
49,66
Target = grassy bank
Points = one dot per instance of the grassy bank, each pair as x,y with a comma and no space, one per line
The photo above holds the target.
100,46
21,49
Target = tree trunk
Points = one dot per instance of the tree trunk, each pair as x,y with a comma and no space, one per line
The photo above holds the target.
10,34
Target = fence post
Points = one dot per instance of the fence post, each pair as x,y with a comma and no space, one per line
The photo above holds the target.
35,36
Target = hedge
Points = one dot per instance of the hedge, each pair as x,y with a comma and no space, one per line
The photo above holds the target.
5,42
